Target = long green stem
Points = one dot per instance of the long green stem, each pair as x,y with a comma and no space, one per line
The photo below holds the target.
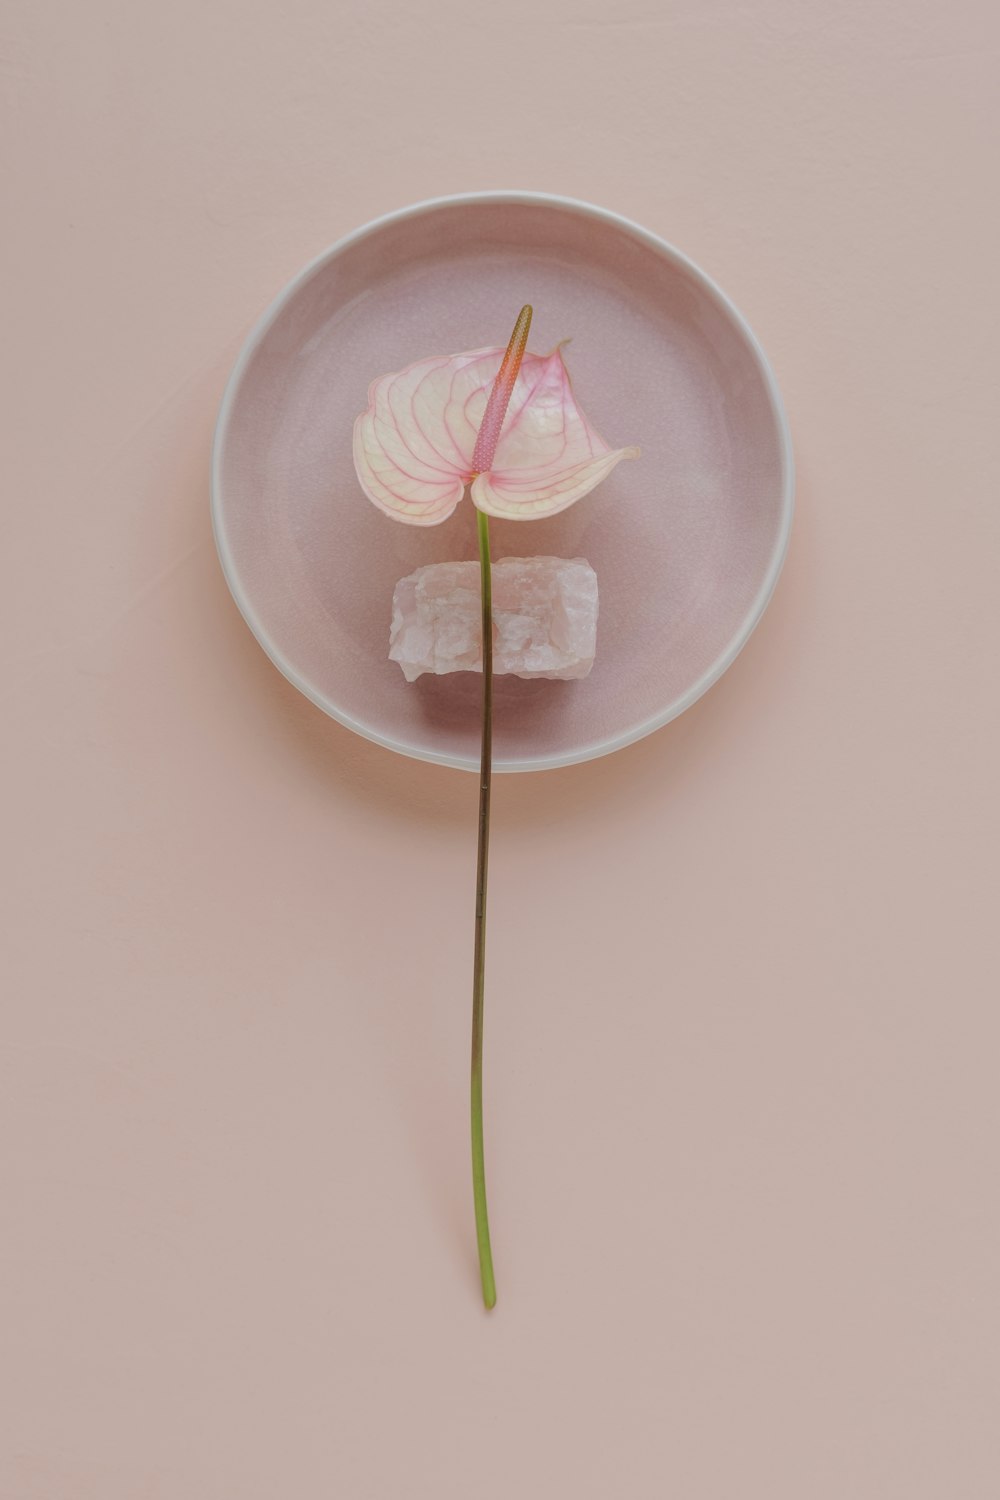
479,960
482,457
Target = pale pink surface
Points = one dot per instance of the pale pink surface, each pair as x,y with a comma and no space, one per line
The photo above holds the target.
741,1020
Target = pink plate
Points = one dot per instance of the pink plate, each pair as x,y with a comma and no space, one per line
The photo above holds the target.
687,541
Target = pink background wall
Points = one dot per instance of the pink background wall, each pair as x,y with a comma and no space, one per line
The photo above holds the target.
741,1029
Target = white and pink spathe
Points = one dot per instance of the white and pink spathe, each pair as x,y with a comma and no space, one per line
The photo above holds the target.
414,446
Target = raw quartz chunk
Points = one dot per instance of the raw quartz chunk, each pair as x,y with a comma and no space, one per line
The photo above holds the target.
544,618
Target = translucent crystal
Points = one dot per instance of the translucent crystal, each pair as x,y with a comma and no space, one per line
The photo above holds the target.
544,618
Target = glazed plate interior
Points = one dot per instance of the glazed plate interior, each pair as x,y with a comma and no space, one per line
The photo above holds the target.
686,541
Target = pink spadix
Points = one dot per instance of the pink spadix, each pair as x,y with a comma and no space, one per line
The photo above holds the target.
500,394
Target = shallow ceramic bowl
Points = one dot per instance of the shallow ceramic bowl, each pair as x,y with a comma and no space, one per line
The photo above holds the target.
687,541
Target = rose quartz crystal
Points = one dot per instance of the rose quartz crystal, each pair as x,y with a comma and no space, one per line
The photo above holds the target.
544,618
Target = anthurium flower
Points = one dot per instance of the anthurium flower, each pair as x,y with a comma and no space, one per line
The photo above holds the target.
416,450
506,423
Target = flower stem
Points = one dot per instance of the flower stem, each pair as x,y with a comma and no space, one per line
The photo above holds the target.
482,458
479,960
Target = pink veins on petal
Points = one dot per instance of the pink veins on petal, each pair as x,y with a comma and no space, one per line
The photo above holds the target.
504,422
503,389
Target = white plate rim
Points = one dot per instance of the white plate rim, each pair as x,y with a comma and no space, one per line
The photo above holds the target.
663,248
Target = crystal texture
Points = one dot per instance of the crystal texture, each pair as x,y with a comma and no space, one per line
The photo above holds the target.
544,618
